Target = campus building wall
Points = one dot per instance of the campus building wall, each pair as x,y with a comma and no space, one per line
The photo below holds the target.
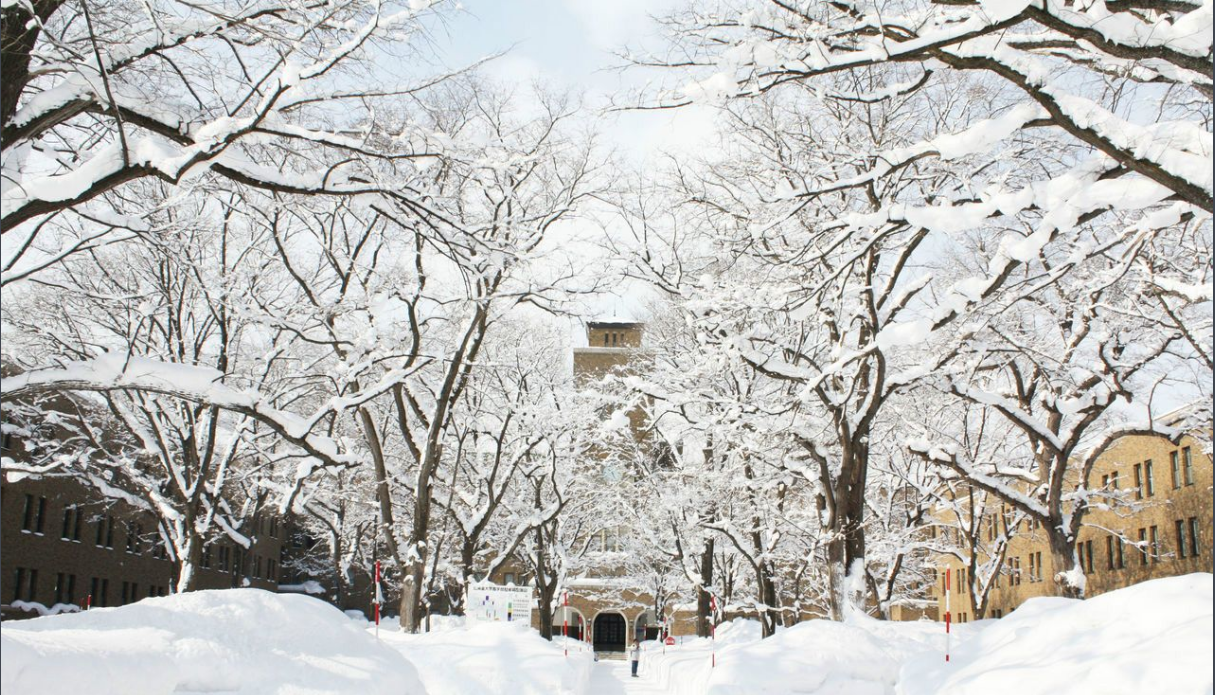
61,543
1170,510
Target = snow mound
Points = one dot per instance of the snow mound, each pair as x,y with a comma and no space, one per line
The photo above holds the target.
860,656
229,641
1153,637
491,659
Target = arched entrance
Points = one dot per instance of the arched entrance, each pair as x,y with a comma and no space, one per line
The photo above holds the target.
576,623
610,632
647,627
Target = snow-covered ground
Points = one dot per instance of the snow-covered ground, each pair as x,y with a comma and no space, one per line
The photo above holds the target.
1150,638
1153,637
491,659
232,641
861,656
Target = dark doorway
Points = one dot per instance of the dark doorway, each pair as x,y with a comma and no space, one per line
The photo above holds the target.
609,634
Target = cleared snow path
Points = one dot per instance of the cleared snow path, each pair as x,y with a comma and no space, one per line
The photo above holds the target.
611,677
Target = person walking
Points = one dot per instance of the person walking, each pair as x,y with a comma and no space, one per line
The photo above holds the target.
635,656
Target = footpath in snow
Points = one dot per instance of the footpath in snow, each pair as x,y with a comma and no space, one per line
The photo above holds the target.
613,677
1154,637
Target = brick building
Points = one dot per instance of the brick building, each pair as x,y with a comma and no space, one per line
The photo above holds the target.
65,546
1165,530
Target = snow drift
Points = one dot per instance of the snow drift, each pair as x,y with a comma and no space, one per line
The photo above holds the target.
1153,637
230,641
491,659
861,656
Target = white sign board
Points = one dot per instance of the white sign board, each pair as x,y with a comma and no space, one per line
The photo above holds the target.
499,604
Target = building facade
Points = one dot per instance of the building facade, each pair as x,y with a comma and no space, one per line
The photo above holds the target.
64,546
1161,528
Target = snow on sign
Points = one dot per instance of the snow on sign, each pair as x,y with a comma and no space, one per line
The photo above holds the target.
495,603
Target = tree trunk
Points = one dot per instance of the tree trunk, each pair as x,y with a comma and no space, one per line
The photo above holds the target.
18,36
384,496
547,592
412,610
767,595
1069,576
467,557
846,552
187,567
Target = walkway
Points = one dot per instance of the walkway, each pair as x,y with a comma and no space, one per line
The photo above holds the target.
611,677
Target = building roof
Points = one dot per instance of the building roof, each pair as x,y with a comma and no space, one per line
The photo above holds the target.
615,324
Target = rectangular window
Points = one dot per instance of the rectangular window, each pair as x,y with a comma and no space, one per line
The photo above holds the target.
38,520
1180,538
27,516
126,593
1175,461
1118,545
67,523
206,557
134,543
1114,479
257,566
105,532
1187,464
99,595
1033,569
1138,481
1088,555
65,588
271,569
224,552
1154,535
1143,547
18,581
31,587
1195,548
1080,555
1109,552
1149,484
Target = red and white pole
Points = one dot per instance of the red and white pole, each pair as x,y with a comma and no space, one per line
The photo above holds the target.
378,599
947,616
565,622
88,602
713,629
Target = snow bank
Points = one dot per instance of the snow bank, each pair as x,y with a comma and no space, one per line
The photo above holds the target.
491,659
861,656
230,641
1153,637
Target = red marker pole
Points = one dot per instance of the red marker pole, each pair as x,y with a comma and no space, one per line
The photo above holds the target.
947,616
378,599
713,629
88,602
565,622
